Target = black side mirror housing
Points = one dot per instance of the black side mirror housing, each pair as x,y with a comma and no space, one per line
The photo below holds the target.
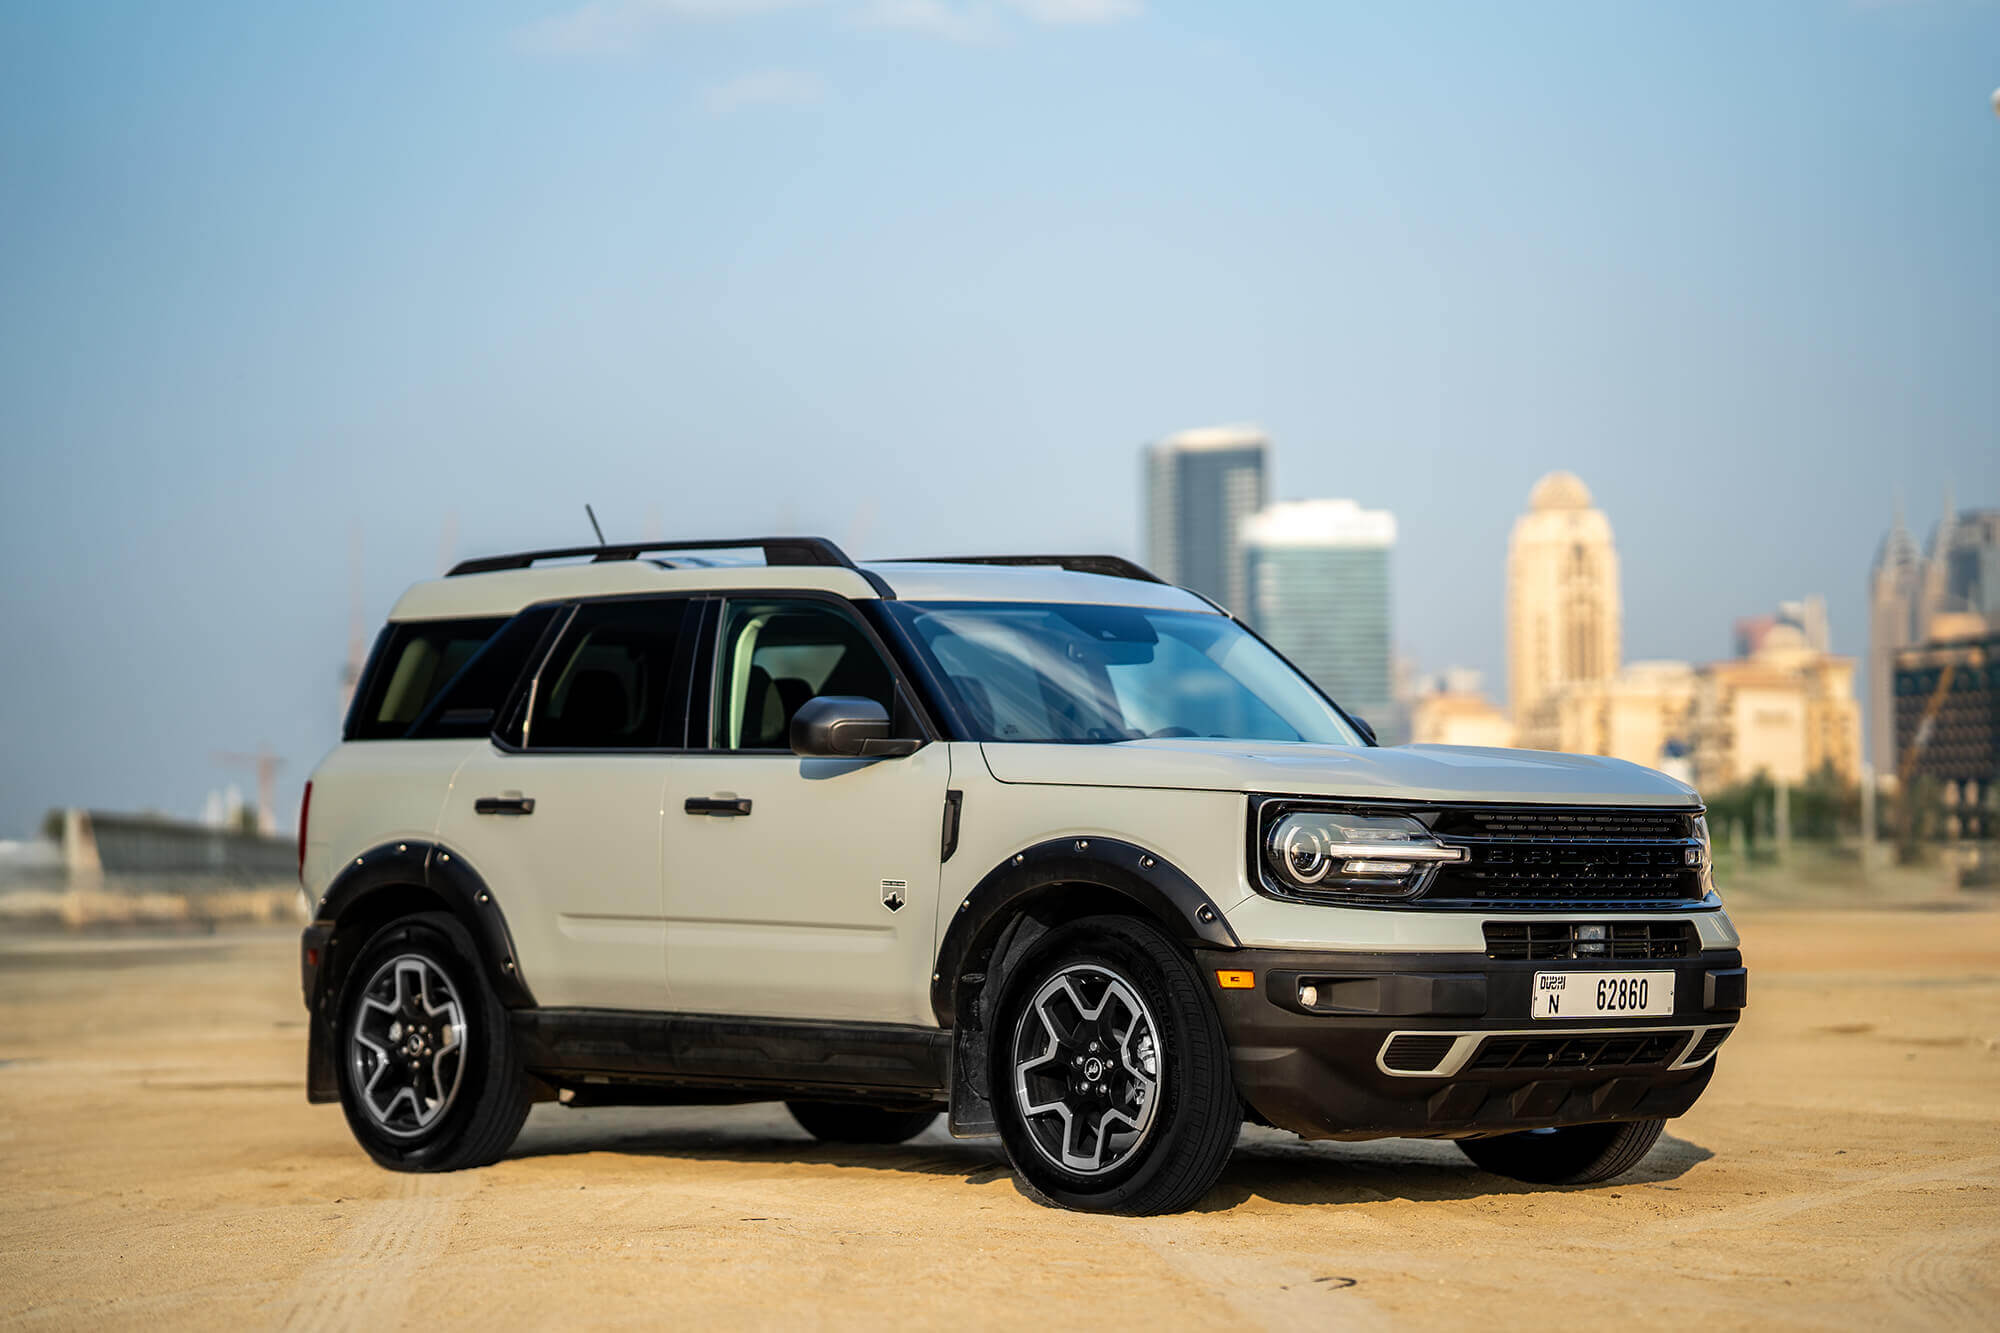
845,726
1361,725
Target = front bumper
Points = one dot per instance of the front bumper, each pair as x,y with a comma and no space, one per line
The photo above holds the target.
1330,1072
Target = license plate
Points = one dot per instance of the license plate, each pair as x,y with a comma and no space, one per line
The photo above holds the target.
1602,994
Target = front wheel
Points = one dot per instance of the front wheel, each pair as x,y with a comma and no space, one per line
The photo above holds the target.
1111,1076
428,1075
1574,1155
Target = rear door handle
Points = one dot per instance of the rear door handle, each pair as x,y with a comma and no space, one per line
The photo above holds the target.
504,805
717,805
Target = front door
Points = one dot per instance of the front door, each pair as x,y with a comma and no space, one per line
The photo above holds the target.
800,888
560,816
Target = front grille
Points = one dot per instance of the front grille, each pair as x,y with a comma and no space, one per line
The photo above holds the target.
1517,823
1557,940
1704,1048
1417,1054
1596,1050
1559,857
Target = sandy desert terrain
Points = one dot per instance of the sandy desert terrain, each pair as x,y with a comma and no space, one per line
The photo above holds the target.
159,1166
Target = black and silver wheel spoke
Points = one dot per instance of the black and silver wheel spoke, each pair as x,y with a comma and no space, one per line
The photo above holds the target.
407,1045
1087,1064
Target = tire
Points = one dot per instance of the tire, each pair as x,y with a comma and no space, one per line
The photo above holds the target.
1574,1155
428,1074
845,1122
1117,1146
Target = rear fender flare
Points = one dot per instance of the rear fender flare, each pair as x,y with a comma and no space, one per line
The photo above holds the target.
382,883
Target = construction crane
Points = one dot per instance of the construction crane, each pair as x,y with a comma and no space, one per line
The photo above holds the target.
266,765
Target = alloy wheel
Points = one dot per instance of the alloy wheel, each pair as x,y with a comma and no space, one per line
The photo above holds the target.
1087,1064
407,1045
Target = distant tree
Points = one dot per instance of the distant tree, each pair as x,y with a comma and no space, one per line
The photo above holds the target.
52,825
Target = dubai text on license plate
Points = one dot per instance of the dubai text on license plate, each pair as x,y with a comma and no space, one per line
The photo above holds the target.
1602,994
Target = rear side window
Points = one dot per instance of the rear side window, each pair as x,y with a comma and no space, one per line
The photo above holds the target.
616,681
413,661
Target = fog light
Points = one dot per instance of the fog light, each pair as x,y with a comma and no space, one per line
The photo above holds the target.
1308,996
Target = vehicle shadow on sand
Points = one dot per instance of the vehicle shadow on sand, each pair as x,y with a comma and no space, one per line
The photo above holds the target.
1267,1164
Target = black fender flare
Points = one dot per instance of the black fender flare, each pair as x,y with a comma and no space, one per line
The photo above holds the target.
998,921
375,887
1160,889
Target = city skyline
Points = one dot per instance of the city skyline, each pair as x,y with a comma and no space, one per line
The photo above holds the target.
271,278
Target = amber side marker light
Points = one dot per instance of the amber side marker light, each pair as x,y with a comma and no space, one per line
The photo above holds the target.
1229,980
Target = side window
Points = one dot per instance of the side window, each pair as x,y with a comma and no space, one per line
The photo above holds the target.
414,661
466,707
612,683
775,655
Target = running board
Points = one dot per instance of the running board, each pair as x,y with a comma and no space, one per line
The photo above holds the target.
780,1055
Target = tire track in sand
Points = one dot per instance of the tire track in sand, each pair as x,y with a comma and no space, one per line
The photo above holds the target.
366,1282
1944,1280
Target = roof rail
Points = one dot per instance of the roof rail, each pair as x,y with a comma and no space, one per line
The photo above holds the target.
1111,566
777,551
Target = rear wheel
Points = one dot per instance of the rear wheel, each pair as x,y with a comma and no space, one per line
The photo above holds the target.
844,1122
1111,1077
1573,1155
428,1075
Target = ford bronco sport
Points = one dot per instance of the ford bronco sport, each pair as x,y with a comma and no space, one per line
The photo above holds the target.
1042,843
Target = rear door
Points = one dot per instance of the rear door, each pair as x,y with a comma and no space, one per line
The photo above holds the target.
800,888
560,812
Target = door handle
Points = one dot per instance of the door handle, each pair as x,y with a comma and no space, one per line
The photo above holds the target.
725,807
504,805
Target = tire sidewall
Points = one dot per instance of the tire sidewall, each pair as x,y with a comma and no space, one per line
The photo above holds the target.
1109,943
444,942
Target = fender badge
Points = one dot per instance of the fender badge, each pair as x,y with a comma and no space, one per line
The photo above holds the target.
892,893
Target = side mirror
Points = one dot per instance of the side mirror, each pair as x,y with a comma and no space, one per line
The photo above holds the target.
1361,725
842,726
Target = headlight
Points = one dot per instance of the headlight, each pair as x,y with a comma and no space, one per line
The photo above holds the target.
1332,852
1704,854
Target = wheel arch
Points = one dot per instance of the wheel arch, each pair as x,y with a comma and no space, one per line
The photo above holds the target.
381,885
1059,880
1031,892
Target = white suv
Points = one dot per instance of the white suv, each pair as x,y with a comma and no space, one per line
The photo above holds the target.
1039,841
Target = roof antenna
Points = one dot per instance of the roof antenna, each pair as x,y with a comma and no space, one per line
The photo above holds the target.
592,515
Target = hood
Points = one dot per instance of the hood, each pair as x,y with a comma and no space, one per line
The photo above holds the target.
1397,772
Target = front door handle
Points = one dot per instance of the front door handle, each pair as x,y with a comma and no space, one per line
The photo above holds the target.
504,805
722,806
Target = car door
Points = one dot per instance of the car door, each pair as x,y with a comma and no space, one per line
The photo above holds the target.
796,887
560,813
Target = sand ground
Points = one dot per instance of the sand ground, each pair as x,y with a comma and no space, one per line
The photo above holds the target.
159,1166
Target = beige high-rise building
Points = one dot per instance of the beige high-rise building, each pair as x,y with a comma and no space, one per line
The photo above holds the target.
1787,711
1633,715
1562,603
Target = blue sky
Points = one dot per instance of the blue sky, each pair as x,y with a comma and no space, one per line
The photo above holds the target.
923,276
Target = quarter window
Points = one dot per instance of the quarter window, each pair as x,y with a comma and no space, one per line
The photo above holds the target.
414,660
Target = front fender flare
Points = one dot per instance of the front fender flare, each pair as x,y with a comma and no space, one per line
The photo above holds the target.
1154,885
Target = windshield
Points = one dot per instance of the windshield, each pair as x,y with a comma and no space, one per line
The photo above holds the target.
1033,672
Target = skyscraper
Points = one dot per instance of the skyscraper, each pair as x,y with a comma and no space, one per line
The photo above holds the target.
1562,601
1909,591
1895,603
1200,487
1319,591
